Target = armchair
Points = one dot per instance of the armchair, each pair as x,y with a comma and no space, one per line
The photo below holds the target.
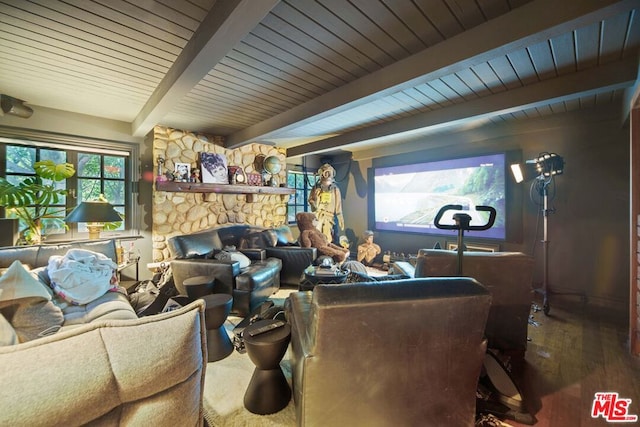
405,352
193,255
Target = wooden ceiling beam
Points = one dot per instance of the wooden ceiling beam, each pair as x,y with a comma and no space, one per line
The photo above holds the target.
226,24
617,75
529,24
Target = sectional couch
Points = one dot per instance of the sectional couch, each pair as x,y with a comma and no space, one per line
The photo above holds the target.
105,366
111,306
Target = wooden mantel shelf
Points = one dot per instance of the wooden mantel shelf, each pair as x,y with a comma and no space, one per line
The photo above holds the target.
196,187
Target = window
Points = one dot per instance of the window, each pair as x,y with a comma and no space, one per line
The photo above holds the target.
303,182
100,173
19,166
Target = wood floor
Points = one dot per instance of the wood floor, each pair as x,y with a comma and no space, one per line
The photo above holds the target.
576,351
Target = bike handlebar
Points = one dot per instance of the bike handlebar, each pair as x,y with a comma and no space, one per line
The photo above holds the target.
462,219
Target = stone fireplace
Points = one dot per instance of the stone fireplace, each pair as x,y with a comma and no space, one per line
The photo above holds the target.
187,212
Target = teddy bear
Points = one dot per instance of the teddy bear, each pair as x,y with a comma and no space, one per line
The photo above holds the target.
311,237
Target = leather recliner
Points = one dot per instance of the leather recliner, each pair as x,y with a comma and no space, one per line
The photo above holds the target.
194,255
406,352
276,260
277,242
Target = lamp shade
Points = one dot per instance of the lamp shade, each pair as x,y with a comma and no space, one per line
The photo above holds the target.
93,212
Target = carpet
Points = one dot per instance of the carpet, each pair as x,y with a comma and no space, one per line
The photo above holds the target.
225,383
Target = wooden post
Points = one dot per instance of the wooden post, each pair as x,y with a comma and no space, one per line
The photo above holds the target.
634,232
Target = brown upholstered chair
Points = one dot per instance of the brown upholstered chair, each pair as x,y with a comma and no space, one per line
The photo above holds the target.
405,352
507,275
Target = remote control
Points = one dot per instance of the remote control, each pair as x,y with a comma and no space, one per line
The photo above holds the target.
267,328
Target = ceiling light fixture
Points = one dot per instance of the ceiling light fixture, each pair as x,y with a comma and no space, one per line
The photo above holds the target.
14,107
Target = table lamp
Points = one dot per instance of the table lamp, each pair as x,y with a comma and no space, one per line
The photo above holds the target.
95,214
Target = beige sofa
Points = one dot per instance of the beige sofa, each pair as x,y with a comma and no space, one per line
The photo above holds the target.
110,306
104,366
142,372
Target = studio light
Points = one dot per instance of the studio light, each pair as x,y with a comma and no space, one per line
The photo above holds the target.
14,107
524,171
543,170
549,164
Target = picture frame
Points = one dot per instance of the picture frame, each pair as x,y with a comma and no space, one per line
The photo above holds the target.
182,172
236,175
475,247
213,168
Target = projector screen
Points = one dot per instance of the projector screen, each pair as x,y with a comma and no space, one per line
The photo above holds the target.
408,197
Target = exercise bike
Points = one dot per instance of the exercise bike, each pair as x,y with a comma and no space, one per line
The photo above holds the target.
462,224
497,393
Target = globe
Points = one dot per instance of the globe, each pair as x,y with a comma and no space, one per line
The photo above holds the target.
272,165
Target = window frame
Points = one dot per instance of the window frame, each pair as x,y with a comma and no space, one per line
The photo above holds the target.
73,146
308,186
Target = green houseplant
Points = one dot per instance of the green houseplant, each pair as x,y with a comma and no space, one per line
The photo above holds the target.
33,199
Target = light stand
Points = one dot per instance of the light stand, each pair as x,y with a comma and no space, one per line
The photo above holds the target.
544,190
547,166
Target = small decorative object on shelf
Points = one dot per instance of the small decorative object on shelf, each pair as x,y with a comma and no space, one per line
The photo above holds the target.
237,175
254,179
161,177
119,252
132,255
214,168
271,167
182,172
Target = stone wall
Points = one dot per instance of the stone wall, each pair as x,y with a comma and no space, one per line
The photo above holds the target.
182,213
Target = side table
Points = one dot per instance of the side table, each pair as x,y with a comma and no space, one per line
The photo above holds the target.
313,276
198,286
268,391
217,308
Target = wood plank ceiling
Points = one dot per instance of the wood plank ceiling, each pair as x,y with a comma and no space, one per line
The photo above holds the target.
318,75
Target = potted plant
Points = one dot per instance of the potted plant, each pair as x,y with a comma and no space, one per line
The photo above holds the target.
40,190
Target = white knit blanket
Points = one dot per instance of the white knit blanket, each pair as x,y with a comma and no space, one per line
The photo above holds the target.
80,276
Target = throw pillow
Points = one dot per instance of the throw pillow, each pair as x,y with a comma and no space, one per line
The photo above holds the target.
17,283
230,255
208,255
36,320
42,275
8,335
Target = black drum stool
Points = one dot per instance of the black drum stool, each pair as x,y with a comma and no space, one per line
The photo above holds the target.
217,308
268,391
198,286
